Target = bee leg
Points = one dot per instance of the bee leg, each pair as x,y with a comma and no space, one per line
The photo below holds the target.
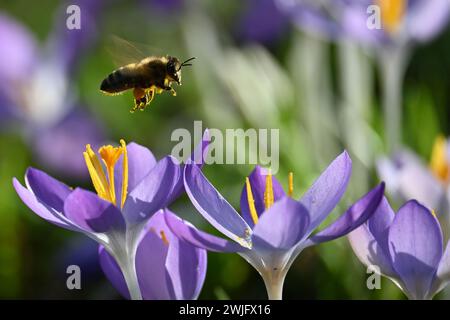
172,90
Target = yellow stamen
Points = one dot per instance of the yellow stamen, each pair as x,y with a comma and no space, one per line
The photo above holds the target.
268,193
291,184
251,201
124,173
96,172
440,164
164,238
110,155
392,13
104,186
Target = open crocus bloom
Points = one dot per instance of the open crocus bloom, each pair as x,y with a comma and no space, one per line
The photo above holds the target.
407,247
274,228
167,268
131,186
408,177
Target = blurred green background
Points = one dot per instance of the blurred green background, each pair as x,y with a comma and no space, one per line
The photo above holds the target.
292,82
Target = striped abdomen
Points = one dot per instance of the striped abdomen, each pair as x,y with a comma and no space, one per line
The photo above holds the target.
119,80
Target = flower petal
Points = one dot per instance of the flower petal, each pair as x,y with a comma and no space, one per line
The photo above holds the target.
282,226
415,244
370,241
154,192
427,18
91,213
187,232
327,190
213,207
51,192
356,215
37,207
185,265
258,185
113,272
140,162
443,272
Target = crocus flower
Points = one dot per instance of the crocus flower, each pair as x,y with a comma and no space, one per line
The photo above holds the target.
274,228
131,186
408,177
167,268
402,21
407,247
37,93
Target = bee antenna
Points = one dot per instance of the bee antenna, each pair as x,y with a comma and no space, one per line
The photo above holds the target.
187,64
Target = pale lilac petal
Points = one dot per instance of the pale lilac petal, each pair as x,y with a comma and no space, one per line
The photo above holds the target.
356,215
38,207
187,232
185,265
443,272
407,177
327,190
425,19
282,226
370,241
213,207
415,243
91,213
258,185
154,192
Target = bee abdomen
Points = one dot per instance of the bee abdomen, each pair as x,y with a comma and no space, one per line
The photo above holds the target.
116,81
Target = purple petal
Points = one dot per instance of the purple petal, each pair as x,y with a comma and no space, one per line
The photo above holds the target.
68,139
282,226
140,162
38,207
185,265
154,192
415,244
67,45
112,272
49,191
355,216
187,232
258,184
262,22
213,207
327,190
18,52
91,213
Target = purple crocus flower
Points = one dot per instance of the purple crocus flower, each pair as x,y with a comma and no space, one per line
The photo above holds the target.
407,247
130,189
274,228
408,177
167,268
36,87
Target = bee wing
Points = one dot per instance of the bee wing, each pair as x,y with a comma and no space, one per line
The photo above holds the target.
124,52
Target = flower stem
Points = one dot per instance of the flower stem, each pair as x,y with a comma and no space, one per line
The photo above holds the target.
392,64
129,273
274,285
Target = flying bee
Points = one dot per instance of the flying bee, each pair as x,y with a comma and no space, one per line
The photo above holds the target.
149,76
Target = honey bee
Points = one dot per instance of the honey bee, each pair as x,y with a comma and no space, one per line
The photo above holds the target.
147,77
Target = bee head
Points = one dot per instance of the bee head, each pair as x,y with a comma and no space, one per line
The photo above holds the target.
174,68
